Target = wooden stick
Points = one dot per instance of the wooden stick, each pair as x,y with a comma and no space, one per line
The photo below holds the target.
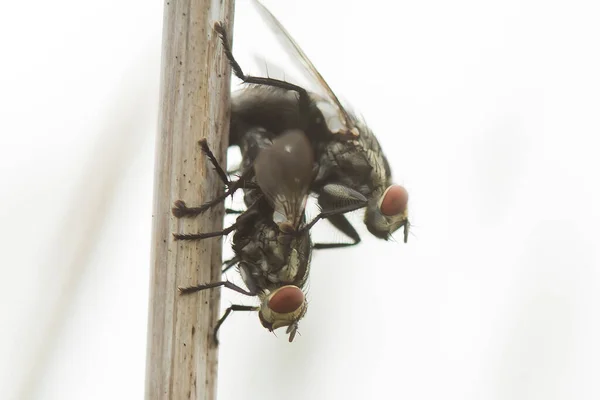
195,86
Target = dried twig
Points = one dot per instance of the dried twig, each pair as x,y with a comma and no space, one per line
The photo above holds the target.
195,85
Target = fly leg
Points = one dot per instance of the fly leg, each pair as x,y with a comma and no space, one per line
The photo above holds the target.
235,307
213,160
227,284
341,223
329,213
304,100
230,263
181,210
244,217
330,198
200,236
337,200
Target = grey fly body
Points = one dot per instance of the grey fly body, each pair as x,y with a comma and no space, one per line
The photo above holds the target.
353,172
272,249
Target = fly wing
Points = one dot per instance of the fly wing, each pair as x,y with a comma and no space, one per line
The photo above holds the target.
284,172
297,54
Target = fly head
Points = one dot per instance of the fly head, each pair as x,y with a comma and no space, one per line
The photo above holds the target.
284,307
387,213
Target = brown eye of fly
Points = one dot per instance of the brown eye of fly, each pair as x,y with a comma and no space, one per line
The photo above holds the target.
286,300
394,200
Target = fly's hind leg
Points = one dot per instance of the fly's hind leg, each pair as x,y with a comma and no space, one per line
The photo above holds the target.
304,99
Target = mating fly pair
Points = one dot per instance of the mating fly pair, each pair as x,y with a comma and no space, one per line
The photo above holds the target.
294,142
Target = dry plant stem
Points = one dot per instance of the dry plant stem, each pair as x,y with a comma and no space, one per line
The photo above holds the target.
194,104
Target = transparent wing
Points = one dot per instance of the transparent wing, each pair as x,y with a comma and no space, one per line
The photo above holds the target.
284,172
298,55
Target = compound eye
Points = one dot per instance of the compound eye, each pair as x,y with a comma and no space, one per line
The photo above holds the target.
286,300
394,200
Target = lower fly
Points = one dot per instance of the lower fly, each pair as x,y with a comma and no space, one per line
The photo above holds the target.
272,250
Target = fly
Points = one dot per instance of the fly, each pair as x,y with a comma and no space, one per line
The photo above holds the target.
271,245
353,172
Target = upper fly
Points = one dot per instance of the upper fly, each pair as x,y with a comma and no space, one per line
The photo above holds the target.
352,171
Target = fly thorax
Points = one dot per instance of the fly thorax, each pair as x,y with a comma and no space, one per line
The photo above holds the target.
250,248
378,171
346,163
276,255
285,306
270,234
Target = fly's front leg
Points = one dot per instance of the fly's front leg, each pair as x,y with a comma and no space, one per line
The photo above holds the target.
329,213
233,307
336,200
341,223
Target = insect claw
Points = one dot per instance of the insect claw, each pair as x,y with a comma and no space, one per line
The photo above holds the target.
179,209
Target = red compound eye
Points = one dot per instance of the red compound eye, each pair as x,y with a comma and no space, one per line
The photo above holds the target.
394,200
286,300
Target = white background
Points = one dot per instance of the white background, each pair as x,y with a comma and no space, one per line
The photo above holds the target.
489,114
